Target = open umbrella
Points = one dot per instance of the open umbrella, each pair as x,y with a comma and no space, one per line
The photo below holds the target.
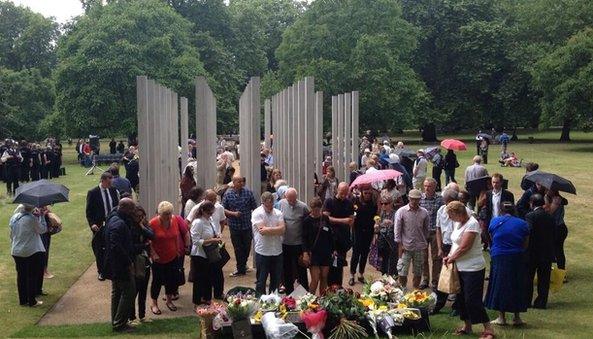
552,181
375,176
453,144
431,151
41,193
485,136
406,153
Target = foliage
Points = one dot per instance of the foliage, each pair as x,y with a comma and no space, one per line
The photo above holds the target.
25,99
342,303
27,39
355,44
565,79
105,50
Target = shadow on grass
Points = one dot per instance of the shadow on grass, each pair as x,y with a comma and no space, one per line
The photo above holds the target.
173,327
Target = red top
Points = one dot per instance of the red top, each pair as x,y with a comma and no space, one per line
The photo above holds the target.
182,232
165,240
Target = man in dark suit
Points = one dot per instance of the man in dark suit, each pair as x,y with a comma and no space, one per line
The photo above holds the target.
119,255
494,199
540,252
100,200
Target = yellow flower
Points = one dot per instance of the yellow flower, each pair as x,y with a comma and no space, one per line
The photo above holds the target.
366,302
402,305
377,218
257,317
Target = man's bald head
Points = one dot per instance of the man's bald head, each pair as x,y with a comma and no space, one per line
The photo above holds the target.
238,181
211,196
291,195
342,190
127,207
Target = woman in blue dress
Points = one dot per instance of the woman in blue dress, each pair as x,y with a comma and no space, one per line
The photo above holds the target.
506,292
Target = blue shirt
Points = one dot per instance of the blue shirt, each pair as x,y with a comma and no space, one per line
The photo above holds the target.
508,235
242,201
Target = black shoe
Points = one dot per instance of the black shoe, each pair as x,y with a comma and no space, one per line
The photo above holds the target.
362,280
123,329
423,286
100,277
351,282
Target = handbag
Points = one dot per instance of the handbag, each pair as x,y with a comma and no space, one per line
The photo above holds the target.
224,255
54,223
140,264
213,250
449,279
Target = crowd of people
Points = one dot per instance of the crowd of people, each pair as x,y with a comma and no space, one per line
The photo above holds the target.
26,161
402,226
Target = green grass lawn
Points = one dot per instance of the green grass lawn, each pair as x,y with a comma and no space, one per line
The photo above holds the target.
569,314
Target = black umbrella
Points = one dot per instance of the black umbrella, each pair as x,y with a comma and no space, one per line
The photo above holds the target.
406,153
41,193
552,181
485,136
477,185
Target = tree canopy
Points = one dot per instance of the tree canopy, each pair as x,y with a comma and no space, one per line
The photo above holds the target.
100,57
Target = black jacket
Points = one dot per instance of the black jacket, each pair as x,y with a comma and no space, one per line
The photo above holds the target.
505,196
541,238
119,249
95,210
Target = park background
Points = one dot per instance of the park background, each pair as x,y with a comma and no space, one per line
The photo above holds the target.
437,66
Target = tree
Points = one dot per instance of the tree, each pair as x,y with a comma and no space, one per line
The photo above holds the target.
27,39
565,79
358,45
26,97
100,57
542,26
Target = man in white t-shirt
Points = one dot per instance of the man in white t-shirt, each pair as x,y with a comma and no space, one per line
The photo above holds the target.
218,218
268,234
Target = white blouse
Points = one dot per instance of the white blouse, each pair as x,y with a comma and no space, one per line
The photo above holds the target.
201,229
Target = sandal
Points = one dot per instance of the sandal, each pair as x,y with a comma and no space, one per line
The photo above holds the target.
172,307
461,331
487,335
157,312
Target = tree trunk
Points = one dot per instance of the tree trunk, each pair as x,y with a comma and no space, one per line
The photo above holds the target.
429,133
565,136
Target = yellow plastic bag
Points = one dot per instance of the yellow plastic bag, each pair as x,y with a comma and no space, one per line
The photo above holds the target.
557,279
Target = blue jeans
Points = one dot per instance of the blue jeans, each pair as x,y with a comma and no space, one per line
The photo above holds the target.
268,265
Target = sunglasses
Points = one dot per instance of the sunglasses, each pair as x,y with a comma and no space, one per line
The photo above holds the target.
385,203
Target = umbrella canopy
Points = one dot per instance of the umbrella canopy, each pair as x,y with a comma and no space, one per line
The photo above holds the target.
477,185
430,152
552,181
485,136
406,153
41,193
375,176
453,144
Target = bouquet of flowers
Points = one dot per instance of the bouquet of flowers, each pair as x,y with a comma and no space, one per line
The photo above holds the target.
241,306
384,290
315,322
207,315
384,318
419,299
269,302
345,310
308,301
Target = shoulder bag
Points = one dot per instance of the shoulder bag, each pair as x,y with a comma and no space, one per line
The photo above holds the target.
213,250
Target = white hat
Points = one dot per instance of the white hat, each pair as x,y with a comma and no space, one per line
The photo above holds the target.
366,150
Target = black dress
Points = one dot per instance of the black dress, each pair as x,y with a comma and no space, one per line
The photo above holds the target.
318,240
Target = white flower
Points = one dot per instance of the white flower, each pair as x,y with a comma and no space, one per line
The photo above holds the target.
376,287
